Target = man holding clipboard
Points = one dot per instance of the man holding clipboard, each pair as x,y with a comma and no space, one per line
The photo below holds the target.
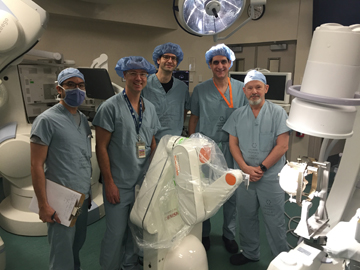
61,140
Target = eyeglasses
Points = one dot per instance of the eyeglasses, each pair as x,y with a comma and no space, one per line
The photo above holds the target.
135,74
168,57
216,62
72,85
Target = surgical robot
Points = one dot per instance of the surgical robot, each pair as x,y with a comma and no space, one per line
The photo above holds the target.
324,106
26,90
186,183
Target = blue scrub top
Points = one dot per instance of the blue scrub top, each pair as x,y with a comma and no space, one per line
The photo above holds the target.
69,147
169,106
114,116
212,109
257,136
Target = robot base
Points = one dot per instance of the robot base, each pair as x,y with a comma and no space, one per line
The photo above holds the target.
189,254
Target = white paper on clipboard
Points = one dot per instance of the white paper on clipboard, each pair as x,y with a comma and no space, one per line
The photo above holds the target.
62,200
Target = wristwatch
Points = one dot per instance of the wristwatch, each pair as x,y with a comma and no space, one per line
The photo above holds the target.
263,168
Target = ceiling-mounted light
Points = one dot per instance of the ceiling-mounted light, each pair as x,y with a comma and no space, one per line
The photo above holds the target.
210,17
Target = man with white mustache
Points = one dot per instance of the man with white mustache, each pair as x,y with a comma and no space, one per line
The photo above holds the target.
212,102
258,141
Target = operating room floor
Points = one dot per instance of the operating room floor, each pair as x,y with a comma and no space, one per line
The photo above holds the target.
30,253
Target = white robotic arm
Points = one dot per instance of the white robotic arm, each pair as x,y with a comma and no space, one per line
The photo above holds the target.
199,196
186,183
198,187
22,22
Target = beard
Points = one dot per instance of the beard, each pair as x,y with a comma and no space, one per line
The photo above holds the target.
255,102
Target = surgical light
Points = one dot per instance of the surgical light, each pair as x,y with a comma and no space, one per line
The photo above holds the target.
210,17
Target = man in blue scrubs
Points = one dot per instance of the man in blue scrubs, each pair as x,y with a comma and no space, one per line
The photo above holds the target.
258,141
212,102
169,95
61,140
125,126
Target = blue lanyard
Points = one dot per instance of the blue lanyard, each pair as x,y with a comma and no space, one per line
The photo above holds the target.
137,123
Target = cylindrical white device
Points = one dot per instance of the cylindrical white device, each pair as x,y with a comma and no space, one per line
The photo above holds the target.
321,120
333,66
324,105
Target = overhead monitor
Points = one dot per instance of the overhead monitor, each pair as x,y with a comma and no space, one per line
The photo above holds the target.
98,83
277,82
182,75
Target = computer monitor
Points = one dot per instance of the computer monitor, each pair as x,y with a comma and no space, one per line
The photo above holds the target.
98,83
277,82
182,75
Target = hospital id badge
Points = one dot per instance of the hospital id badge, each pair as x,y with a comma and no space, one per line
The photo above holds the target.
140,149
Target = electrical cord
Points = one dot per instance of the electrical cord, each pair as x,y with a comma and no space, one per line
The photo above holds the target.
289,229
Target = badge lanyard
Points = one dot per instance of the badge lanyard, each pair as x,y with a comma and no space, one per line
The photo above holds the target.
140,146
230,104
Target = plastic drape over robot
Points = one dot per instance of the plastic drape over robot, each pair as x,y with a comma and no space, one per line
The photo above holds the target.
187,182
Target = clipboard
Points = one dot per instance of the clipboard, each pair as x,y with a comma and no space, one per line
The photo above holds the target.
65,201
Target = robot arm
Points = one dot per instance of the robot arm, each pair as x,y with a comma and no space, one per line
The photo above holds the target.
187,182
202,187
22,22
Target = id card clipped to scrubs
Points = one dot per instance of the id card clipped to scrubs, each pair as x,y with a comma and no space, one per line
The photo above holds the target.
140,148
140,145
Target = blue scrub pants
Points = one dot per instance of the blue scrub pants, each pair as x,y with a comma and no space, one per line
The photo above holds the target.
229,207
269,196
66,242
118,250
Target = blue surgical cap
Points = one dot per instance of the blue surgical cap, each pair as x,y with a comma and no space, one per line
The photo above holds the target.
220,49
69,73
254,75
167,48
133,62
